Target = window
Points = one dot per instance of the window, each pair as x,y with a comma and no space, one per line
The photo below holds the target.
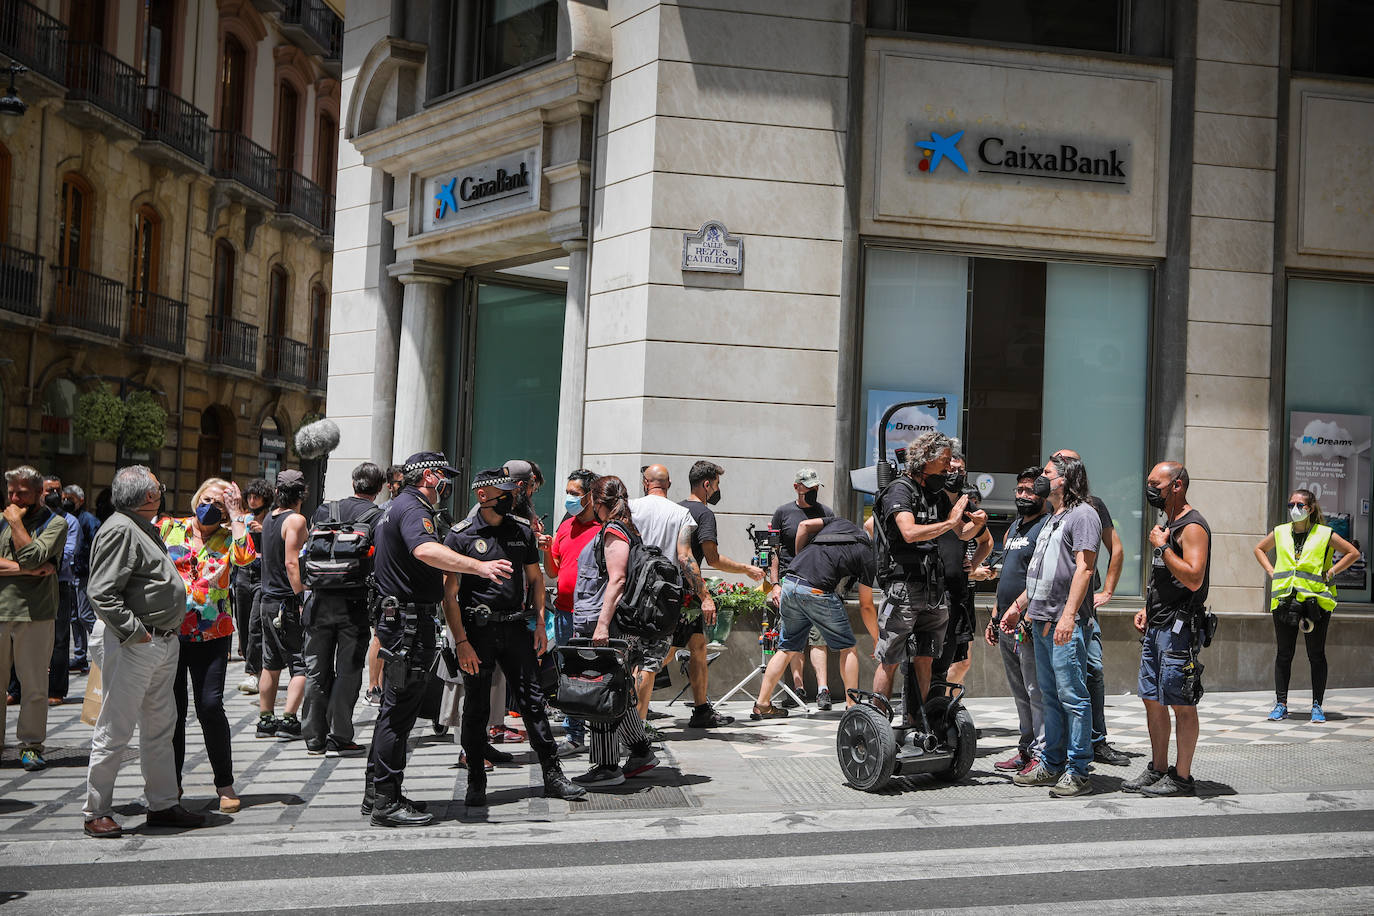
1037,356
222,304
276,302
326,152
86,21
319,317
74,223
233,93
147,245
1138,27
288,110
158,37
4,194
490,37
1332,36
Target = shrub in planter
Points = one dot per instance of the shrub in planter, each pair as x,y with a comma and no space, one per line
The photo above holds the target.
99,416
145,423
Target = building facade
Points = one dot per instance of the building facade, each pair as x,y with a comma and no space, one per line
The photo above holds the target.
607,234
167,222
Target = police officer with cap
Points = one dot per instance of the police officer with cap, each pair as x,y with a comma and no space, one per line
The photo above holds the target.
488,621
409,565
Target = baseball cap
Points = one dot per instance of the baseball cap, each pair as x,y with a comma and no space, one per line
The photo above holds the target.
422,461
494,477
519,469
808,478
290,478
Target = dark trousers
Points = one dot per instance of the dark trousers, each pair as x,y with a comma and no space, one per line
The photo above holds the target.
335,650
206,663
83,621
509,646
58,680
248,620
1287,639
403,691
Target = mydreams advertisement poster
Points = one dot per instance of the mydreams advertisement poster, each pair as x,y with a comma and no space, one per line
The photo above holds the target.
909,422
1329,455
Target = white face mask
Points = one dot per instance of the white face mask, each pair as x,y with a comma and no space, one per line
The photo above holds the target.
1298,514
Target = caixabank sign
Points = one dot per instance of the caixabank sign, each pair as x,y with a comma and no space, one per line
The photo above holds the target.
495,187
951,152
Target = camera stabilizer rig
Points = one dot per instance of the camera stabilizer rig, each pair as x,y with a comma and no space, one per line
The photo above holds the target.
766,544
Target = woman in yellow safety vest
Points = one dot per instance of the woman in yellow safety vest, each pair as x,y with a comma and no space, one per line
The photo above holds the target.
1302,596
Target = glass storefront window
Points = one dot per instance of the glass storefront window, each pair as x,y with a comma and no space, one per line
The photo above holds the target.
1039,356
515,33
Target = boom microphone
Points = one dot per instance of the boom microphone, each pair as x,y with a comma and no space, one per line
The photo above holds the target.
315,440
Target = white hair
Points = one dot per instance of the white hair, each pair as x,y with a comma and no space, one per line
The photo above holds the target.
25,476
131,486
74,491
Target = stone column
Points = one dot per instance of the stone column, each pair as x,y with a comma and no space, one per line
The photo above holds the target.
420,369
574,382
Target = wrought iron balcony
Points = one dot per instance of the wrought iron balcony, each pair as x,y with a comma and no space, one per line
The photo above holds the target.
300,197
314,26
33,38
96,76
286,360
20,289
175,122
230,342
317,369
157,321
238,159
87,301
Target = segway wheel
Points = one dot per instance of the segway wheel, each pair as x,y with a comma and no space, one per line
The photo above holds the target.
959,735
866,747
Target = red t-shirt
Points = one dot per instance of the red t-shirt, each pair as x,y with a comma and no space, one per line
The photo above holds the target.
569,541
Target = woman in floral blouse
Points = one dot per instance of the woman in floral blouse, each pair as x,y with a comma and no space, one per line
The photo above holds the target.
205,547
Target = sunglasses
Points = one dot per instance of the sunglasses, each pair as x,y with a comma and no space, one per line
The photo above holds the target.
1297,505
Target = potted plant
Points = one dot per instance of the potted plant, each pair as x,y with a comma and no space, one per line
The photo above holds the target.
733,599
145,423
99,415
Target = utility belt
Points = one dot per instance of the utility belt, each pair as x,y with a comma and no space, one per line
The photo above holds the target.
410,613
1304,614
480,615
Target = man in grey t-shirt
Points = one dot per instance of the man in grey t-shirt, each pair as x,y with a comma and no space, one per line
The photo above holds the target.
1058,603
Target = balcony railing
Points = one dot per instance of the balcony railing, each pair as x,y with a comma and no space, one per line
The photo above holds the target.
33,38
20,290
170,119
231,342
87,301
328,226
301,197
319,23
317,368
286,360
157,321
95,75
239,159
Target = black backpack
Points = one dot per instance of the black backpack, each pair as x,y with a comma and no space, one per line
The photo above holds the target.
338,554
651,604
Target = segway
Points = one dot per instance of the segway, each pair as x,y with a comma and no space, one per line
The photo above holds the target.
939,739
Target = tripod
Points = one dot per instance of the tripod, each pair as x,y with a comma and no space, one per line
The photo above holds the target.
768,644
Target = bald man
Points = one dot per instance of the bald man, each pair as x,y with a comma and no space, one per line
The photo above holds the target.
667,526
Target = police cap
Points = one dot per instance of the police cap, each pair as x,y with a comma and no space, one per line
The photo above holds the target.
494,477
424,461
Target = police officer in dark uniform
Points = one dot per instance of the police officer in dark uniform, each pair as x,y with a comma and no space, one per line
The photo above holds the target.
488,619
409,566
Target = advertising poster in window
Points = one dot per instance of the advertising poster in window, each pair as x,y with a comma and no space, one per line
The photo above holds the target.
1329,455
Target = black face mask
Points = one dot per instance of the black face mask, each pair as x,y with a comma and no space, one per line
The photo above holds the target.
1028,505
954,480
1042,486
1156,497
811,496
53,501
69,506
713,499
504,503
442,488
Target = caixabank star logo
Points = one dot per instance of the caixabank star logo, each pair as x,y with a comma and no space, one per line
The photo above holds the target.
937,149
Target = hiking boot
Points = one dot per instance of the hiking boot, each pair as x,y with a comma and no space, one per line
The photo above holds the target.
1317,714
767,712
1070,785
1280,711
1169,785
1105,753
556,785
31,760
1017,762
1148,777
1040,775
370,801
399,813
823,700
706,716
249,684
288,727
639,764
601,775
267,725
343,749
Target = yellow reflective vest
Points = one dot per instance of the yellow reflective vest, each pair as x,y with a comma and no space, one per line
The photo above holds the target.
1305,576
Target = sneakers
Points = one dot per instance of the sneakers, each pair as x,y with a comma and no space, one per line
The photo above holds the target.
653,732
1317,714
32,760
346,749
767,712
500,734
1279,712
1105,753
1031,764
823,698
706,716
1017,762
315,750
788,703
249,684
267,725
1070,785
1039,775
1169,785
288,727
601,775
639,764
374,696
1148,777
569,748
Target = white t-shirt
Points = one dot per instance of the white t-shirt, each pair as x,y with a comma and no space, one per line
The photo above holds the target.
660,521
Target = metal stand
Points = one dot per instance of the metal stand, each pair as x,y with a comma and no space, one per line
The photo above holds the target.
768,642
683,656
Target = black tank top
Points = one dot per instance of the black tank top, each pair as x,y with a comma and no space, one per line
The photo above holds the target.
275,584
1167,599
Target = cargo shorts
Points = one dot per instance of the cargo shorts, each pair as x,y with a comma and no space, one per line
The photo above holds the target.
911,622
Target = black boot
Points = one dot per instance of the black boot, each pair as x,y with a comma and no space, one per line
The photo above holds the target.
394,811
556,785
476,796
369,797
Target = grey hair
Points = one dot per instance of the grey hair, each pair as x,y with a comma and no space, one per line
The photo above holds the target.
131,486
25,476
73,490
956,450
925,449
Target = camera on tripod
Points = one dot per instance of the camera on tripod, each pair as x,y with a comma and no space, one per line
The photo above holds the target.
766,544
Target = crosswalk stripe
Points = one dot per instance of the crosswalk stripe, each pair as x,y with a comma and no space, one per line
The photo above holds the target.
1335,901
662,877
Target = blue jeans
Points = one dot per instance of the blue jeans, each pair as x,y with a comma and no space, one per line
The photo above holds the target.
802,608
83,621
575,730
1097,686
1062,673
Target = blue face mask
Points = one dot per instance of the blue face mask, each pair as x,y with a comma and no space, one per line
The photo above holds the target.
573,504
209,514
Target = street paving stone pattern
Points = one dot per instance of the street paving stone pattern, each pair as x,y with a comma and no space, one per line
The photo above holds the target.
754,817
